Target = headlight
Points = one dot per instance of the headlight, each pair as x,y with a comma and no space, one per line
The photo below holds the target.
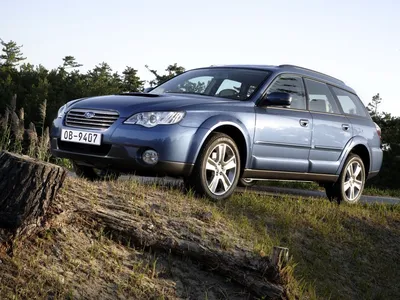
151,119
61,111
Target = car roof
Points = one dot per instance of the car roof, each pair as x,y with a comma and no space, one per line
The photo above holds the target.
286,68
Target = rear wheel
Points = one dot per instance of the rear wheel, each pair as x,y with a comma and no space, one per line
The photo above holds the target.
350,184
94,174
246,182
216,172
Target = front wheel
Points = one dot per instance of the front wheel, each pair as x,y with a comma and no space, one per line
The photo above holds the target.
216,172
350,184
94,174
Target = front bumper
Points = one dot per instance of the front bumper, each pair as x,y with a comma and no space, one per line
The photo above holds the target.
123,145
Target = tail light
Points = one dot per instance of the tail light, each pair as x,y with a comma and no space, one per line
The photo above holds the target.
378,130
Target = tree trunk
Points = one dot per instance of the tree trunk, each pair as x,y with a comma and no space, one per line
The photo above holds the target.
27,187
254,273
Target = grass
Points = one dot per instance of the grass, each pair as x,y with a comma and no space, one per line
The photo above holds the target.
18,139
340,252
337,251
70,264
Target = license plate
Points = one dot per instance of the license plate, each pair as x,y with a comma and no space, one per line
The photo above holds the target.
79,136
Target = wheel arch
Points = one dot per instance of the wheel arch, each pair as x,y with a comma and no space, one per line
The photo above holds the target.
359,146
362,151
233,128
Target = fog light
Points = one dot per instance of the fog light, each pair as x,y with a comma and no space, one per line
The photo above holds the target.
150,157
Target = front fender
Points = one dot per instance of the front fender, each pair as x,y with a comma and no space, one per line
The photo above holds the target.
213,123
357,140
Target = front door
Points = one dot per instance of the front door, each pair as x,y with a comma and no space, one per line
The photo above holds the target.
282,137
331,130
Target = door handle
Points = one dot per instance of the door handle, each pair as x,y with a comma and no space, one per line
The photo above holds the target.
304,122
345,127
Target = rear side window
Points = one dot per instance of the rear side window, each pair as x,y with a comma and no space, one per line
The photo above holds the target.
349,102
292,85
320,97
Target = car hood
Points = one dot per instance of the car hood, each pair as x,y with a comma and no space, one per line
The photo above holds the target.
132,103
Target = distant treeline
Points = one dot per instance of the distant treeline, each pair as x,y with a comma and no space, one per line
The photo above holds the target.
32,85
389,176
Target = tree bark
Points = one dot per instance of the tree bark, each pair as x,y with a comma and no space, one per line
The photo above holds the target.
254,273
27,187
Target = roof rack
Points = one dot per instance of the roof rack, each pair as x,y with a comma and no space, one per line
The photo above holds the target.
297,67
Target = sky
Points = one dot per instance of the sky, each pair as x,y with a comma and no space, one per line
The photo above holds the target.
355,41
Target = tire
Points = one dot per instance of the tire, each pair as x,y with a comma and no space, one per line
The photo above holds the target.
246,182
216,172
351,182
93,174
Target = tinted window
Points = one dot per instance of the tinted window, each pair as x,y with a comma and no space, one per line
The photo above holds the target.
320,97
232,83
292,85
350,103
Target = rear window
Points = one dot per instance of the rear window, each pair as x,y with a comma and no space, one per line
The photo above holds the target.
350,103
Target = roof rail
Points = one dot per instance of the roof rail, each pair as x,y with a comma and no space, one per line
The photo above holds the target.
298,67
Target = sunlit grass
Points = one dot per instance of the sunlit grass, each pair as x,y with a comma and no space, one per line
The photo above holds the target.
337,251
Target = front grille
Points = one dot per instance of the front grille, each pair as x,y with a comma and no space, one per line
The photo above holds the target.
92,119
84,149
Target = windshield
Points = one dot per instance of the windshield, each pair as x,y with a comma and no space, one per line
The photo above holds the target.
232,83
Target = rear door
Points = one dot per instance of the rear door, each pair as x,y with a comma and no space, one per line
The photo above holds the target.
283,134
331,130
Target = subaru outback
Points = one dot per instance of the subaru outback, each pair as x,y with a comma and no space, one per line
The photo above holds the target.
223,126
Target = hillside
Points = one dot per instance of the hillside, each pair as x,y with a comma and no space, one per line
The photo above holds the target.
126,240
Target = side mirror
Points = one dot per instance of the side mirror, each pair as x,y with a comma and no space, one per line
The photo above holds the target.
277,98
148,89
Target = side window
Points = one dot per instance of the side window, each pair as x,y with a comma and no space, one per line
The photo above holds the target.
294,86
229,88
349,102
320,97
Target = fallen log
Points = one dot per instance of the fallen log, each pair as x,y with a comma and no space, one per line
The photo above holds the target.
27,188
255,273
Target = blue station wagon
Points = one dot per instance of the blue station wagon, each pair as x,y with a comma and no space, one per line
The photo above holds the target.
223,126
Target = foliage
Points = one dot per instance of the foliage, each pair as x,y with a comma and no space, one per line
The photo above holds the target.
12,54
16,138
373,105
33,84
172,71
390,128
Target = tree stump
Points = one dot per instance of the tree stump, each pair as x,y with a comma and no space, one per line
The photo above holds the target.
27,188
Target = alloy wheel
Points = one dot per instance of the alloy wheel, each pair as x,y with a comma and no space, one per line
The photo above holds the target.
353,181
221,169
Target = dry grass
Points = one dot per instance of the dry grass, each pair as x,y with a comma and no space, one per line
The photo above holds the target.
338,252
